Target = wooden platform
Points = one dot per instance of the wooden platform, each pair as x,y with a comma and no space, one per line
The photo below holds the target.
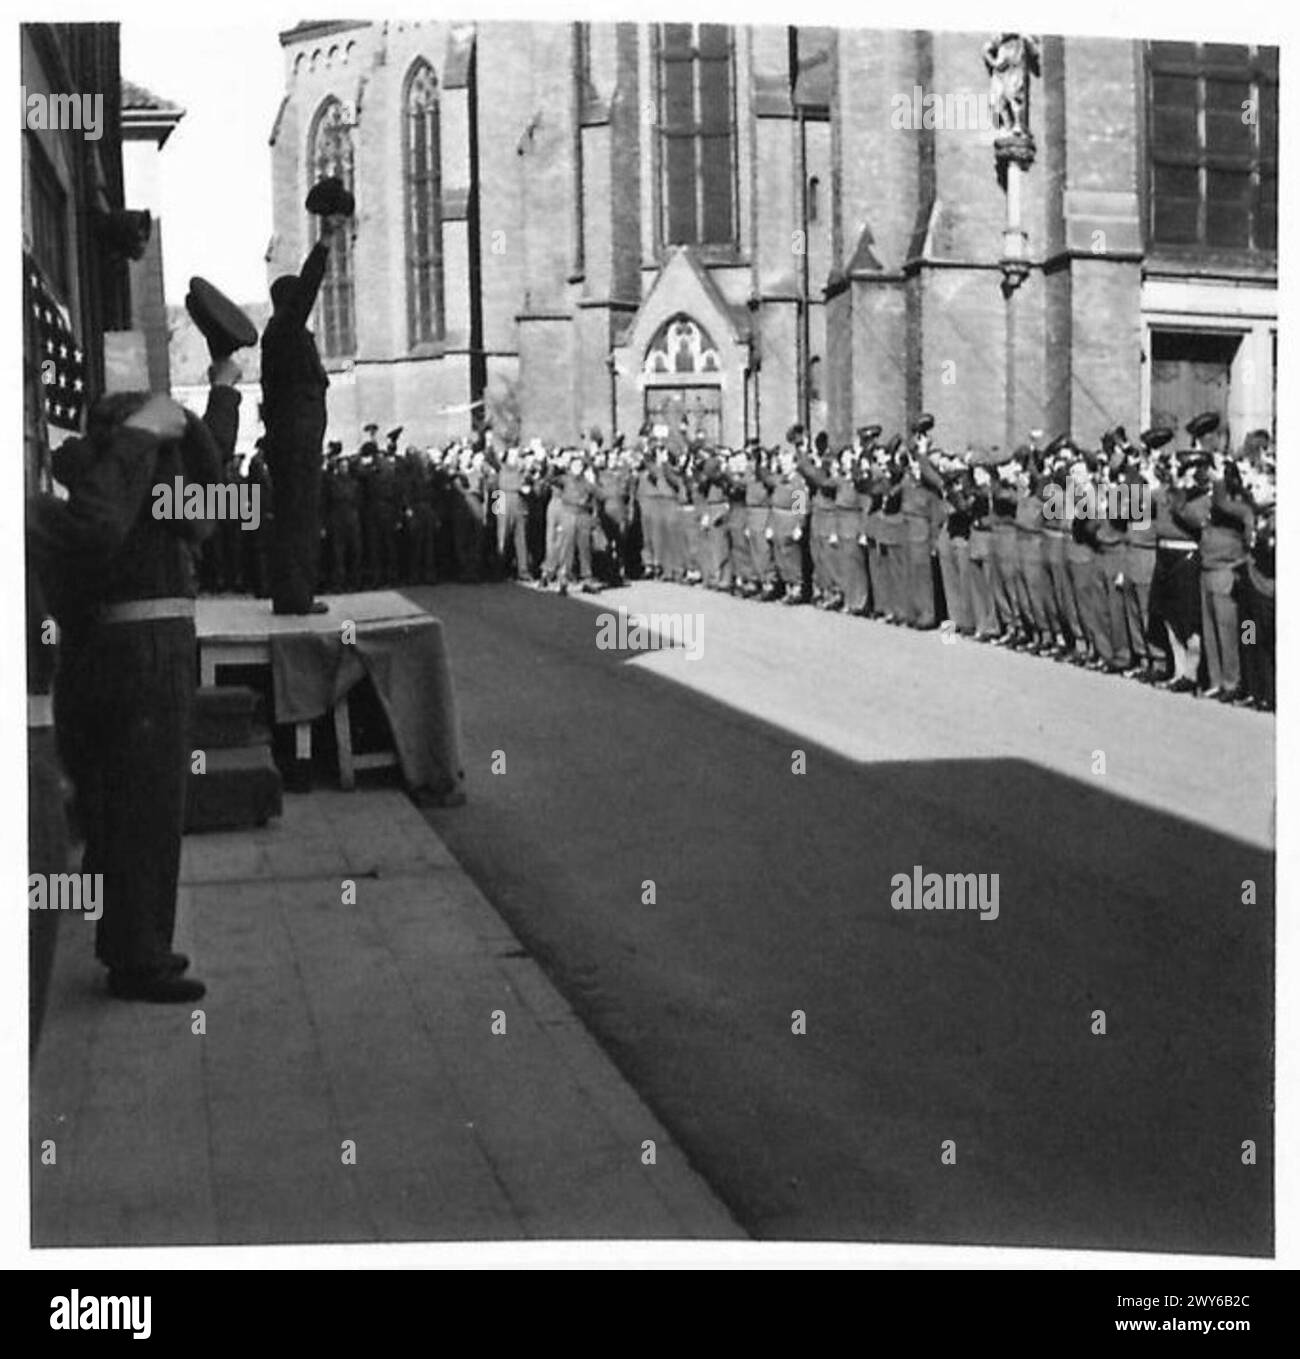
238,631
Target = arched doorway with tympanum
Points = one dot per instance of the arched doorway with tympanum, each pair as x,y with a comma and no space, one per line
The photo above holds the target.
681,378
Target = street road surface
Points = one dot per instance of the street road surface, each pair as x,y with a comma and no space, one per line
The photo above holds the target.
1121,822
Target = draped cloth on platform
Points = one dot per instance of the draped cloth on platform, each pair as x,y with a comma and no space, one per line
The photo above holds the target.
317,659
406,661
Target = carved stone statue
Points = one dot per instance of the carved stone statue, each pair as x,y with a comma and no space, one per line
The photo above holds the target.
1010,59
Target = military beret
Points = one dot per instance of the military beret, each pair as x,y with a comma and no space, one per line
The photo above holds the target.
794,434
924,424
1203,424
222,324
329,197
1119,435
869,432
1157,437
395,434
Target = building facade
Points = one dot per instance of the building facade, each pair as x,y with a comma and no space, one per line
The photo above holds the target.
77,237
563,226
147,122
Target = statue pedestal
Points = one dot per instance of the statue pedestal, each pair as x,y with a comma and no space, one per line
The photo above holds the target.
1014,149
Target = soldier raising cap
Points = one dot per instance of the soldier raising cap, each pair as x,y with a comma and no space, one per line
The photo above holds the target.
1156,437
1203,424
1205,432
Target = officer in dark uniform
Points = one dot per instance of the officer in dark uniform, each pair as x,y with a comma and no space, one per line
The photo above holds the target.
381,512
342,521
257,557
922,490
293,410
1258,612
422,525
125,687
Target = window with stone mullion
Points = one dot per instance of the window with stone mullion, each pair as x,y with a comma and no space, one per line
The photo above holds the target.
1213,174
423,208
332,157
697,134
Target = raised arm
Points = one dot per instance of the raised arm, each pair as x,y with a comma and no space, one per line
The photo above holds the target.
309,281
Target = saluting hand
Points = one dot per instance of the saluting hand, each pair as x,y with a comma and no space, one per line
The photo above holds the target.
160,416
225,372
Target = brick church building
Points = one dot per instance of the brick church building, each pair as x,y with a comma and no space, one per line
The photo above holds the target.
572,225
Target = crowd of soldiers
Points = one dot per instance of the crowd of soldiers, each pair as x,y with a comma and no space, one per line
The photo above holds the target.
1134,557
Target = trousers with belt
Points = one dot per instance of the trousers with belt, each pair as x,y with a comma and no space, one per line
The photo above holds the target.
124,697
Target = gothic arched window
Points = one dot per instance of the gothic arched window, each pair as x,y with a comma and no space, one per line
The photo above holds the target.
423,176
329,153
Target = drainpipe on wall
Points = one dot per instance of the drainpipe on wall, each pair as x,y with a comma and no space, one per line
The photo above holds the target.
805,322
613,398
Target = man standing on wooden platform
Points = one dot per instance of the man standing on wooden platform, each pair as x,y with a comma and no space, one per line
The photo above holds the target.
293,411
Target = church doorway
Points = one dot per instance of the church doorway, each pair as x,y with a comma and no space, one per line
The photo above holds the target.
696,410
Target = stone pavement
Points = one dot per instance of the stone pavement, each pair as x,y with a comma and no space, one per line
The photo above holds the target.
328,1024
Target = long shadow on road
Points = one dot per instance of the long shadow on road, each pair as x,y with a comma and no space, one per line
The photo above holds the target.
772,894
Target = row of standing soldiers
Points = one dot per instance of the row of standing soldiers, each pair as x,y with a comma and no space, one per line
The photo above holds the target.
1157,588
1130,558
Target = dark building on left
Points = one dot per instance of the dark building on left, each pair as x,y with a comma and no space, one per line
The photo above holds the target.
79,236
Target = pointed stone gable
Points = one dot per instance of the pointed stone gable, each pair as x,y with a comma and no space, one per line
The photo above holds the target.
684,288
